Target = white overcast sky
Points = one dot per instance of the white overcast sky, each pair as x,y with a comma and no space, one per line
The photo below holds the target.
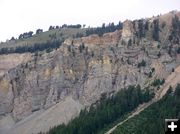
18,16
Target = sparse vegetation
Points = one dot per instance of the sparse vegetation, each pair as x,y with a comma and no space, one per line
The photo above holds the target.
69,48
163,24
38,31
159,54
86,50
178,50
158,82
73,52
128,61
151,72
81,47
142,63
153,69
175,33
141,29
92,54
130,42
155,32
147,26
26,35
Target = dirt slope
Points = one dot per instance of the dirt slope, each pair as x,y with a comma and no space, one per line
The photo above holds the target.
43,120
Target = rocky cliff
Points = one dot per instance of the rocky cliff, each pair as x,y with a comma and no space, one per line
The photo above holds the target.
78,73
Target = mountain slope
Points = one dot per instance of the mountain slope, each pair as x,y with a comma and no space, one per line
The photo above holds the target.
152,119
171,81
85,68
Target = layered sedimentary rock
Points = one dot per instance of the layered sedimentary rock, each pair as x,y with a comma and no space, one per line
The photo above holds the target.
75,76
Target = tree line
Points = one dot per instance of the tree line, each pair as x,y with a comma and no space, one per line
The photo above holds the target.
31,48
175,32
104,112
99,30
143,26
152,119
111,27
65,26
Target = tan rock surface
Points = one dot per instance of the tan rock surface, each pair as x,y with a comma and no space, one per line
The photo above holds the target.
10,61
44,120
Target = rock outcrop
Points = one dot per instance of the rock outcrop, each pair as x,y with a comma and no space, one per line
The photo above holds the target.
77,74
106,39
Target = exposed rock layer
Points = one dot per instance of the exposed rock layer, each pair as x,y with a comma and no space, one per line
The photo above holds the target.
76,76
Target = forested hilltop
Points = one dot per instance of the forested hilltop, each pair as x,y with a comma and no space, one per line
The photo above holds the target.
53,38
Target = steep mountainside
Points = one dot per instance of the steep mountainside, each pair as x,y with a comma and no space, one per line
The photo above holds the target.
151,120
83,69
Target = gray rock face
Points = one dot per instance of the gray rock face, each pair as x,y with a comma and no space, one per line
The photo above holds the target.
46,80
82,73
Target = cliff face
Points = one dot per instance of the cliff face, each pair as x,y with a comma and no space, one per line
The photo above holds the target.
8,62
45,80
106,39
83,69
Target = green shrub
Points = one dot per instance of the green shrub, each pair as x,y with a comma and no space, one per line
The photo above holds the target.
142,64
158,82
